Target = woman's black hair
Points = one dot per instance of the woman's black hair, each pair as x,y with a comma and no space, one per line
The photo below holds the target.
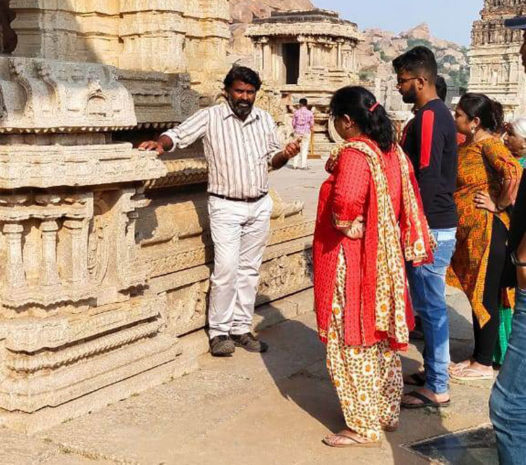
243,74
480,106
360,106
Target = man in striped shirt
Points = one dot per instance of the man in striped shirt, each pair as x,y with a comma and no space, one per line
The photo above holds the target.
240,144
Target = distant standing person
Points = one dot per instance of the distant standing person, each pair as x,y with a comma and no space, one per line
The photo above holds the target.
240,145
303,122
431,144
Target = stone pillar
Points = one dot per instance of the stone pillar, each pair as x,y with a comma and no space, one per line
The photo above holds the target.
49,230
76,257
15,266
258,56
339,61
304,56
267,59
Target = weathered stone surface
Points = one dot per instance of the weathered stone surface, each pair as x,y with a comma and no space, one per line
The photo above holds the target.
310,54
105,250
44,94
495,62
168,36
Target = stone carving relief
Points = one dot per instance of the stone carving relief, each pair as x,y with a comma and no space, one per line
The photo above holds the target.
187,308
105,251
495,58
98,242
285,274
56,95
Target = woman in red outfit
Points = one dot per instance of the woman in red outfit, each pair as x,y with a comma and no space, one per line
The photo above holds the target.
370,219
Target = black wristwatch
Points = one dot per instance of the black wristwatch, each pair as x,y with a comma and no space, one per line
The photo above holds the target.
515,260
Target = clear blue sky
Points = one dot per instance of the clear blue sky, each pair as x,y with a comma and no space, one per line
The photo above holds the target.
448,19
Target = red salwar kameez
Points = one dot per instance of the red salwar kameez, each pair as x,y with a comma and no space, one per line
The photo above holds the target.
362,360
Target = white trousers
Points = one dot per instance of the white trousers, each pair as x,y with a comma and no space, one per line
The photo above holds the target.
239,231
301,158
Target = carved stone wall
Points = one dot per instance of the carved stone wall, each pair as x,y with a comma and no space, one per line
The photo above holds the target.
167,36
105,251
495,67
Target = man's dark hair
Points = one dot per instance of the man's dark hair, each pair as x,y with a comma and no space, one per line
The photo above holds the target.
303,101
418,60
244,74
441,86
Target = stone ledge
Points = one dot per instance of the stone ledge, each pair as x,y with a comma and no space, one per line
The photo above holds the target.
83,165
190,347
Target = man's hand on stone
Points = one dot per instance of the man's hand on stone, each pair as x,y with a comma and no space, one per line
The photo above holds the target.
152,145
292,149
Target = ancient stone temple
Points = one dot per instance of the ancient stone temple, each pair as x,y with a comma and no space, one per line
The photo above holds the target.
105,250
495,64
307,54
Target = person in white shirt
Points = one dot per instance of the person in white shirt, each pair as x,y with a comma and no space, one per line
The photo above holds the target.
240,144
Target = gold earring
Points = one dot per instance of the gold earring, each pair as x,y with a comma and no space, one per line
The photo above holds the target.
473,129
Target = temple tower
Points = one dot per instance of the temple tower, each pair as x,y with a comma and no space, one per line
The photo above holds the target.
495,62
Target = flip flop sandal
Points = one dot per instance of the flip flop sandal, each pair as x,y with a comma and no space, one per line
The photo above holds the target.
453,367
476,375
354,442
426,401
415,379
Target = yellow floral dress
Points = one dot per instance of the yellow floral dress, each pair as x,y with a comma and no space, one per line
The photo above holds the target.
482,166
368,380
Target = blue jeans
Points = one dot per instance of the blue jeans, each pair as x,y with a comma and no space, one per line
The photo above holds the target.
508,399
428,294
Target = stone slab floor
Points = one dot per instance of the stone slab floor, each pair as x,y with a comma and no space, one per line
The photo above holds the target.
252,409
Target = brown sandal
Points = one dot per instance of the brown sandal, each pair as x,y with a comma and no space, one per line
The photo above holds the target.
390,428
348,435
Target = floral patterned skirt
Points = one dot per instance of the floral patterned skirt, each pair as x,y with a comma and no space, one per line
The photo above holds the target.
368,380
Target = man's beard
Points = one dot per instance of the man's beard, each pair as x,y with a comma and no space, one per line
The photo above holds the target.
241,108
409,96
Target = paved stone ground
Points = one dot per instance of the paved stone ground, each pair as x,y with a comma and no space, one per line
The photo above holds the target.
270,409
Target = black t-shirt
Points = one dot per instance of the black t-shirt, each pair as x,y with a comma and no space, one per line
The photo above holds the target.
430,141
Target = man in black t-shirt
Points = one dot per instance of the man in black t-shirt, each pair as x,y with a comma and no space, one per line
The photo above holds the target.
430,143
508,398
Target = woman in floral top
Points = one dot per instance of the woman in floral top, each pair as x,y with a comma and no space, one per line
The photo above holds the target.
487,182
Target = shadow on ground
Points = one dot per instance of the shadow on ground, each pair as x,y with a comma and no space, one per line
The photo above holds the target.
310,389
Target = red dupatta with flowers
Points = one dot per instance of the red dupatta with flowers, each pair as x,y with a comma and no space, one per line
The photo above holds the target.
386,315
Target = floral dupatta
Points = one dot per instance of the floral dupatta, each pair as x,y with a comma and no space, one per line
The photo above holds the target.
416,240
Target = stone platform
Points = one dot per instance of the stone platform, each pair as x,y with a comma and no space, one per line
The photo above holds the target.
270,409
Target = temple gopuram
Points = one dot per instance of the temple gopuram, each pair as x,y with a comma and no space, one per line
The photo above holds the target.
495,64
105,250
307,54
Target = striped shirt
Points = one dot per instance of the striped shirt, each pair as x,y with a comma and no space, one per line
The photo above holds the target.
238,152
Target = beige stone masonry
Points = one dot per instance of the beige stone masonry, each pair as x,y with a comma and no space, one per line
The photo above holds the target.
105,250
